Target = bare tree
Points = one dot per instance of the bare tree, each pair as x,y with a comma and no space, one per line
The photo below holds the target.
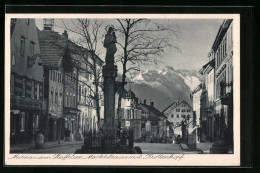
142,41
85,54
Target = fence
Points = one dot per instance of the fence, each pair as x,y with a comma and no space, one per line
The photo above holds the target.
97,142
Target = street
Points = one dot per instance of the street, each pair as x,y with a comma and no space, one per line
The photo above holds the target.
63,149
160,148
147,148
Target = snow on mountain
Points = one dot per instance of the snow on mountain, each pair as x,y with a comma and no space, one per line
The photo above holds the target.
165,85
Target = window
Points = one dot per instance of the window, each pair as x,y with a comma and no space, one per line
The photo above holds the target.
183,116
50,72
52,97
57,80
61,97
188,110
183,110
22,118
56,96
12,84
177,115
13,124
13,60
67,100
79,93
36,122
38,91
177,110
32,47
128,113
23,92
32,90
74,101
172,116
85,96
22,46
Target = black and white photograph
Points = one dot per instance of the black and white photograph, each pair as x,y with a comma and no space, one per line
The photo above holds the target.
125,85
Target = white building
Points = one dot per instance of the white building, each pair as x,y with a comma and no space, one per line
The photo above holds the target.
176,113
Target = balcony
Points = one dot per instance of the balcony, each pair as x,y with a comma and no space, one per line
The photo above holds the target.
226,92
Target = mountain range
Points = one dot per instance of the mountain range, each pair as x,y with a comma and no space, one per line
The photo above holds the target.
163,86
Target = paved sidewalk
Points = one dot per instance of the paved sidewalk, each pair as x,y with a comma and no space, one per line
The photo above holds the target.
204,147
25,147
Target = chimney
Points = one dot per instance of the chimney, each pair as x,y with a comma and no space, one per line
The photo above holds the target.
144,102
65,34
151,103
48,24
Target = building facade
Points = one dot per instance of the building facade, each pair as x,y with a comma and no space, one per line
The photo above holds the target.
196,95
88,120
176,113
207,101
130,114
223,52
27,104
154,123
53,46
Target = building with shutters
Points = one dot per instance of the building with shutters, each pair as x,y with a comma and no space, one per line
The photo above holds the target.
176,113
52,47
27,104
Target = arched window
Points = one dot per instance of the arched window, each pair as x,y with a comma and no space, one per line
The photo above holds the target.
52,95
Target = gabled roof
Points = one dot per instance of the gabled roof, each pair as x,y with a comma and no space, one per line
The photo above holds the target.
183,101
52,46
169,106
154,110
199,87
209,64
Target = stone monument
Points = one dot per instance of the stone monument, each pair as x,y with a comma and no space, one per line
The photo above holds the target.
109,74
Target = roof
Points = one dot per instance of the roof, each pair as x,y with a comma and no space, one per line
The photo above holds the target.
210,63
52,46
75,49
169,106
154,110
130,94
221,33
199,87
176,104
183,101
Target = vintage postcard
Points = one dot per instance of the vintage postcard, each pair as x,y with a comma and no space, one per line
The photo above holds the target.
122,89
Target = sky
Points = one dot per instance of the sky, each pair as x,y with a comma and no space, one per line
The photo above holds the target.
196,37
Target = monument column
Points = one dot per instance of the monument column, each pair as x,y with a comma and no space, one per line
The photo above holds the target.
109,74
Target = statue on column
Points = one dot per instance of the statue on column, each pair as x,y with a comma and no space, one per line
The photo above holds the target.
110,45
109,72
